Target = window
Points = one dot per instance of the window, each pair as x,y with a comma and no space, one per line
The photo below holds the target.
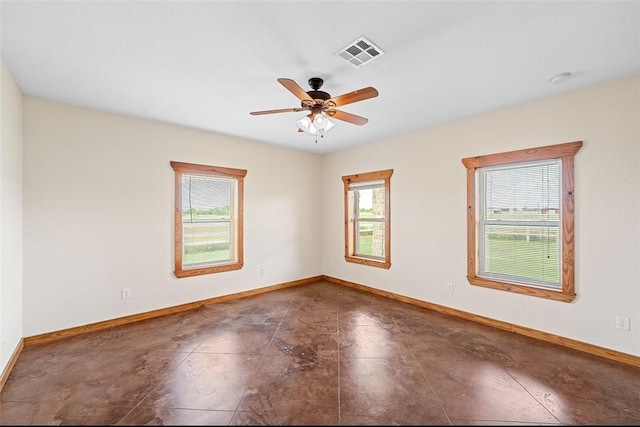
367,218
208,219
520,214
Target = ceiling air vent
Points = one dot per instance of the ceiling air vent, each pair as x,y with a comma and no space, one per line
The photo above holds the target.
360,52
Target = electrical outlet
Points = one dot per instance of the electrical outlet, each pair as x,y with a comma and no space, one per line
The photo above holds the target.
125,293
263,271
623,323
450,287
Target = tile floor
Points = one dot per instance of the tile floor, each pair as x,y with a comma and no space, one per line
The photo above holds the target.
317,354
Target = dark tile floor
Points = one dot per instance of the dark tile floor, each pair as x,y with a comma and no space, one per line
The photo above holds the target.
318,354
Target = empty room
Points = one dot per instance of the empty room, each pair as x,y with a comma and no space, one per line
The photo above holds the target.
320,212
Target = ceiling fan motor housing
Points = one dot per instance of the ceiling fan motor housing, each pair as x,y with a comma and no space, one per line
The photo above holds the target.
316,83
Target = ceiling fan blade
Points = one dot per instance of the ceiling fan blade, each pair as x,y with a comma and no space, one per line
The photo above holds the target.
295,89
282,110
347,117
355,96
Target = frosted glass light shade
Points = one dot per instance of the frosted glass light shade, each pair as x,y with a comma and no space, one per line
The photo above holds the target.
320,125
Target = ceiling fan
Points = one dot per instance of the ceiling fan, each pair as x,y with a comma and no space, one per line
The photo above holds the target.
321,106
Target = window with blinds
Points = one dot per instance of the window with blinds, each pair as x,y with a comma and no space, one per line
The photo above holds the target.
520,221
367,218
208,219
207,227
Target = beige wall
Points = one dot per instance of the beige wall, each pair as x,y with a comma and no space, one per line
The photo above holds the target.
98,215
11,217
428,212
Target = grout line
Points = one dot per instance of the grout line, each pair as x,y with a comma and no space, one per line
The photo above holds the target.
235,411
338,353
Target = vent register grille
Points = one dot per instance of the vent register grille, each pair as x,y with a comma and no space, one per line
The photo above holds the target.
360,52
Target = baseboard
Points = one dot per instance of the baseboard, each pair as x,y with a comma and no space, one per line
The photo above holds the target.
12,361
544,336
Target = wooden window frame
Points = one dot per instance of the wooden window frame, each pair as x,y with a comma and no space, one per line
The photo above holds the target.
566,153
214,171
349,229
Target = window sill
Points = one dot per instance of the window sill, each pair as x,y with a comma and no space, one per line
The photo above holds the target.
208,270
369,262
522,289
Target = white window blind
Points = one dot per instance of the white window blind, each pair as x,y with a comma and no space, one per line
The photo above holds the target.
519,223
366,184
207,219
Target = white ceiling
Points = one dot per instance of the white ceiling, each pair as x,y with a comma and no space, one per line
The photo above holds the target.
207,64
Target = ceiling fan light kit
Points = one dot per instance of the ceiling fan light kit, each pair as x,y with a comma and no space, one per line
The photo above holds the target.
322,106
318,127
